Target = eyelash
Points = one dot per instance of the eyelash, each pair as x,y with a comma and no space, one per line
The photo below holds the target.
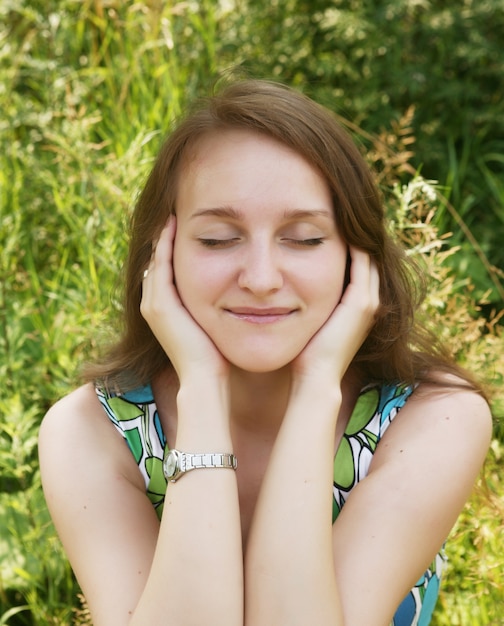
313,241
217,243
221,243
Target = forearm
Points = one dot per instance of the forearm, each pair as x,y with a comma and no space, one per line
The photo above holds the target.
197,571
289,569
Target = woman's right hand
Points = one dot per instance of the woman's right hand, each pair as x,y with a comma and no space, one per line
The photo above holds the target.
188,347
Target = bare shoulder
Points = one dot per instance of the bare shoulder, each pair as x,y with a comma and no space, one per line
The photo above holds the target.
421,475
456,405
65,420
72,418
70,410
97,500
447,420
76,432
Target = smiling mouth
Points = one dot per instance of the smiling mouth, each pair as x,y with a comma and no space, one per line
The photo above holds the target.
260,316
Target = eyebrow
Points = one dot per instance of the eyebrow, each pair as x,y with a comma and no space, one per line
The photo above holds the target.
224,211
231,213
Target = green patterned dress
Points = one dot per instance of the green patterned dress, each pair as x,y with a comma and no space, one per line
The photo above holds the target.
135,416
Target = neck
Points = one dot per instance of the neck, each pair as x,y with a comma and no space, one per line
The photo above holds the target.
259,400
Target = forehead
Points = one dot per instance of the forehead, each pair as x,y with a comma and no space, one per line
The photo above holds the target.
242,168
226,141
234,151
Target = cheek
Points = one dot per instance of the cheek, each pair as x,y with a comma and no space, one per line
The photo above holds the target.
329,298
331,278
198,280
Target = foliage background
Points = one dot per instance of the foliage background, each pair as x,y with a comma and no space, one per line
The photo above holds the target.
88,88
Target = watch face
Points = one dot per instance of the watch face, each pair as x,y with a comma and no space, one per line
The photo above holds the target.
170,465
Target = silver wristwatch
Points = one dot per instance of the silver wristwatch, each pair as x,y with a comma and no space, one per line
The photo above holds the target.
177,463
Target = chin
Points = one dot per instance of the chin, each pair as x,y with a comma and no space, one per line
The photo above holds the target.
259,362
260,368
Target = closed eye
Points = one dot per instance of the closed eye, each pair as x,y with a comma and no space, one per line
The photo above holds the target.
224,243
218,243
312,241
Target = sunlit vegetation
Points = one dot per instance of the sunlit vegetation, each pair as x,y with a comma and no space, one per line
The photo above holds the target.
89,88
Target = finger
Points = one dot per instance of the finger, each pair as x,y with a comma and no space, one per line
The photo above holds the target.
158,277
363,291
359,273
374,284
162,248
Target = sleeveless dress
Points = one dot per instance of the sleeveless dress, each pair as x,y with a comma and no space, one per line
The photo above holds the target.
135,416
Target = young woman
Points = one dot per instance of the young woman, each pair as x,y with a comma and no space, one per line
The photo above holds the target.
298,449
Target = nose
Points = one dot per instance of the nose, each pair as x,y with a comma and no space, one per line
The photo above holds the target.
261,271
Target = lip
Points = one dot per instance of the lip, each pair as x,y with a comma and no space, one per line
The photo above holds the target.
260,315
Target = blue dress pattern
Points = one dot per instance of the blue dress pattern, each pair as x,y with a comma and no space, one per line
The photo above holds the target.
135,416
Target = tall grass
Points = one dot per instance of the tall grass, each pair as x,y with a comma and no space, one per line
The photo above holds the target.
87,90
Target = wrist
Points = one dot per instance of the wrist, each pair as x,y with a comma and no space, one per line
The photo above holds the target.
203,416
203,372
205,390
316,387
312,398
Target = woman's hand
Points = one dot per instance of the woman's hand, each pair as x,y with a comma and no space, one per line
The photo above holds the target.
188,347
333,347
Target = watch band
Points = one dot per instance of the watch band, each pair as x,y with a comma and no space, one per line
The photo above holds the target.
210,459
177,463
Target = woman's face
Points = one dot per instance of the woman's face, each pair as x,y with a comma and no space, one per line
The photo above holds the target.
258,259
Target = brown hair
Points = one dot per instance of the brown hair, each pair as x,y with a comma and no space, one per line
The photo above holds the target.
397,349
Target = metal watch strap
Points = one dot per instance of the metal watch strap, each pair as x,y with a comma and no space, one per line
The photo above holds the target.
197,461
177,463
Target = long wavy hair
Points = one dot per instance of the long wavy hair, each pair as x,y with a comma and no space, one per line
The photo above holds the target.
397,348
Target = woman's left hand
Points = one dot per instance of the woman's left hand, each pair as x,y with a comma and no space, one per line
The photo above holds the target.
331,350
